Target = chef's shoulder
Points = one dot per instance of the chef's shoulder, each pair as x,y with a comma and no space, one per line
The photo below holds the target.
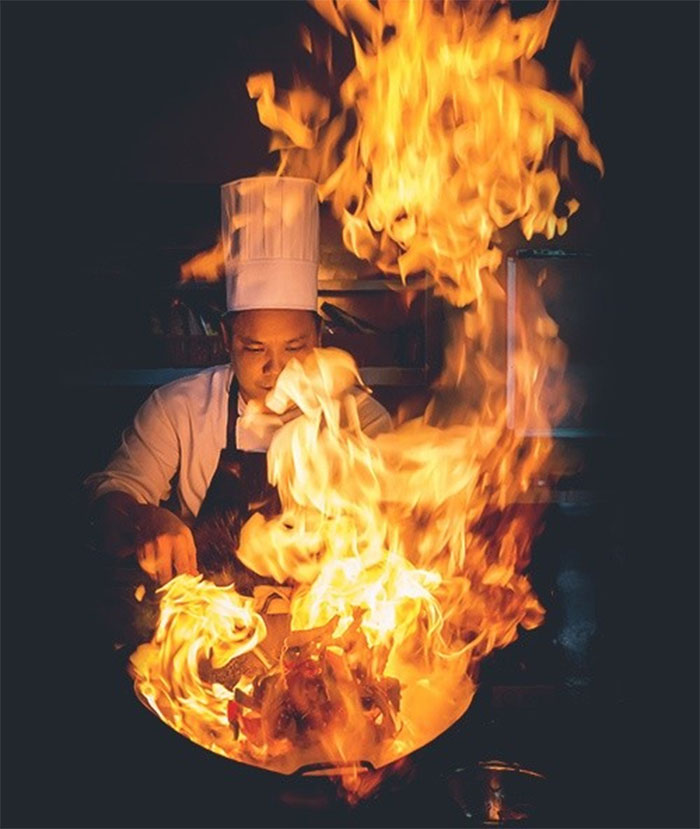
374,418
195,393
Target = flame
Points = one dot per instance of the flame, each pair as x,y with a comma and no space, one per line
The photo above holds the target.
198,622
454,128
404,556
206,266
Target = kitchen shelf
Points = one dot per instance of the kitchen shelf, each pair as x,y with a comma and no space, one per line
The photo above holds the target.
375,284
325,286
394,376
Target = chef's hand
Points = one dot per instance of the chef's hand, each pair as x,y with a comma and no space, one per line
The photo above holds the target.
163,544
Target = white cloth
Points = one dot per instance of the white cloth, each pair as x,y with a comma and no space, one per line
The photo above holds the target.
180,431
270,234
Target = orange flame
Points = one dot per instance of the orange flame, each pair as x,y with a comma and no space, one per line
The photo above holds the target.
207,266
404,556
453,130
198,621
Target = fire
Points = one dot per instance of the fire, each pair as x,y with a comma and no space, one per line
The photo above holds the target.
454,128
198,622
403,558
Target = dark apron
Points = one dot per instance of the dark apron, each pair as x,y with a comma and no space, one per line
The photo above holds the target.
238,489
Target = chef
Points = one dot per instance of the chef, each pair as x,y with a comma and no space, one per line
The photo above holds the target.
190,461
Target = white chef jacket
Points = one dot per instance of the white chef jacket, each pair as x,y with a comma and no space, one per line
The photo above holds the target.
180,431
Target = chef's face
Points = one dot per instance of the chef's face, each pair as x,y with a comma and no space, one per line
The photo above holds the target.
261,342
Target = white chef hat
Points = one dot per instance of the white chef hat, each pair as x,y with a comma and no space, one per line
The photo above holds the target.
270,233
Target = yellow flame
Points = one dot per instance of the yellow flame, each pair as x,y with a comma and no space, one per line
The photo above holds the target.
198,622
453,131
406,554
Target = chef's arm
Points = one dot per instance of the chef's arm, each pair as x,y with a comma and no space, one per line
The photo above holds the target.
126,493
162,543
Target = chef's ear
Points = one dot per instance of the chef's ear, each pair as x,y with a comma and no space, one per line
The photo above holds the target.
226,328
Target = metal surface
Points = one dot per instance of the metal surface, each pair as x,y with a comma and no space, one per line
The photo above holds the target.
498,793
576,294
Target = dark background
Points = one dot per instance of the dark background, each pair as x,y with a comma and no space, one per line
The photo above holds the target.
119,121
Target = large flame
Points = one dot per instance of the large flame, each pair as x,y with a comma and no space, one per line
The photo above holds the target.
452,139
404,555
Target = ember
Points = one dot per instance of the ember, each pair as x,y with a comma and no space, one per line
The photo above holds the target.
404,556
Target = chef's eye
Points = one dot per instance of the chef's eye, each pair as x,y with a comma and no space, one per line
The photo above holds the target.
296,347
254,349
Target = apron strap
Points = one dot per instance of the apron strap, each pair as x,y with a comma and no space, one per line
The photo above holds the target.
238,489
232,415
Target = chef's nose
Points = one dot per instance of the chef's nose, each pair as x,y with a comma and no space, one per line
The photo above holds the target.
274,363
